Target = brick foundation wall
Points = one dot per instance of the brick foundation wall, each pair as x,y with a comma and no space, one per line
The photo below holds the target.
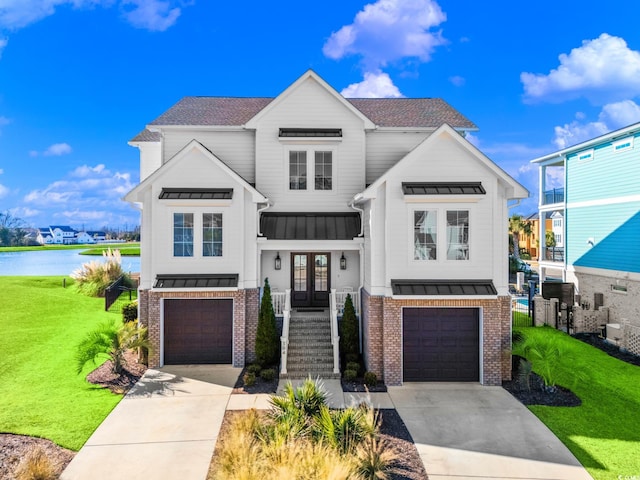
149,302
252,310
387,347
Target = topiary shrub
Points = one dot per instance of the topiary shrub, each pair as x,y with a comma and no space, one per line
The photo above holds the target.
349,335
268,374
267,341
353,366
130,312
249,379
370,379
350,375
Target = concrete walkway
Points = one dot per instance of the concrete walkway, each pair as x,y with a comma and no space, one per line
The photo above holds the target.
167,426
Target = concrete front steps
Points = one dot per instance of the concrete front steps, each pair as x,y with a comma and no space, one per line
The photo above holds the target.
310,351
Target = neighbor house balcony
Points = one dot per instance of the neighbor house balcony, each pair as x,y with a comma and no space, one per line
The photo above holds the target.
555,195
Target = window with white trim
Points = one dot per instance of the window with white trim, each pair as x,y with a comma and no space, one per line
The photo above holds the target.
457,234
623,145
297,170
311,168
324,170
183,234
425,234
211,234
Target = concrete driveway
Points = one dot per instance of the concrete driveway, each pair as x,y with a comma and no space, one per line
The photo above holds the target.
468,431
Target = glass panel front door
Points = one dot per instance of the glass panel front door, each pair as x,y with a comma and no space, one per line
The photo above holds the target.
310,279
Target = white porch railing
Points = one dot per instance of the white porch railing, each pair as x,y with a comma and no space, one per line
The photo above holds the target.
278,300
335,337
284,339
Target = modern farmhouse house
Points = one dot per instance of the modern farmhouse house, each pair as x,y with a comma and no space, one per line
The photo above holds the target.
382,199
596,246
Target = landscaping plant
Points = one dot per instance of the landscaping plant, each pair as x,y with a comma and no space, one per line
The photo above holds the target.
267,341
349,335
93,278
111,340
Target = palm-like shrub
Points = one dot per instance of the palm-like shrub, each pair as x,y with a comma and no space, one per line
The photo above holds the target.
267,341
110,341
93,277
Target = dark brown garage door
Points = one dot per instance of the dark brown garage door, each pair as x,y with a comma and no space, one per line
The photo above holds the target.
441,344
198,331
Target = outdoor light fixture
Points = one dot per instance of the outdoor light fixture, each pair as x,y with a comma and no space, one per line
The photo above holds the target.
343,262
278,262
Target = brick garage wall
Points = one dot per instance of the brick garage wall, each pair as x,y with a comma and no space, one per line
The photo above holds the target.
496,335
252,310
372,334
152,319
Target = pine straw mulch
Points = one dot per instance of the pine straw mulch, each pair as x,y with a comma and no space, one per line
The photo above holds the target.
408,465
13,448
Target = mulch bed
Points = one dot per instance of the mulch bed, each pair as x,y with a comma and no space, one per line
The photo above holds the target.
537,395
358,385
261,386
595,340
408,466
15,447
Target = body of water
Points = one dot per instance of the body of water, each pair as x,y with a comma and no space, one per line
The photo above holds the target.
53,262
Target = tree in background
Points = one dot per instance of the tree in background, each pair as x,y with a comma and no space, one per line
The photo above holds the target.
12,231
267,341
518,225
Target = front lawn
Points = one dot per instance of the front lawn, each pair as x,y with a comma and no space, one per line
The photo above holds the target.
130,246
40,393
604,432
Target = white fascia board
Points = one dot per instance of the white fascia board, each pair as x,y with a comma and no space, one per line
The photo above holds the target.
211,128
308,245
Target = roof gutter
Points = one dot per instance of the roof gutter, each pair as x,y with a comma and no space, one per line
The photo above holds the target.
260,210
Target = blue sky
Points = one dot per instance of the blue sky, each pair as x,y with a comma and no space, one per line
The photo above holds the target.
79,78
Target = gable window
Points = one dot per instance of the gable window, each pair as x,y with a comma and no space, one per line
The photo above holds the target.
457,235
323,170
183,234
298,170
212,235
425,234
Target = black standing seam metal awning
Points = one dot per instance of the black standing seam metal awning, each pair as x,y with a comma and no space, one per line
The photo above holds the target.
310,226
213,280
443,188
443,287
310,132
196,194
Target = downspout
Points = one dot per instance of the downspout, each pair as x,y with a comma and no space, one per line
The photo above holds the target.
259,251
361,252
260,210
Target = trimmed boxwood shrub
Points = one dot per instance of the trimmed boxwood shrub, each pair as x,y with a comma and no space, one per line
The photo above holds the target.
249,379
350,375
370,379
130,312
254,368
268,374
353,366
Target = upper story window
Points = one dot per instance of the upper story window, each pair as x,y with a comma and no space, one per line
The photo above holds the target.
212,235
457,235
298,170
324,170
425,234
183,234
623,145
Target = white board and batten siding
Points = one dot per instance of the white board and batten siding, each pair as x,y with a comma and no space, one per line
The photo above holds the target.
309,106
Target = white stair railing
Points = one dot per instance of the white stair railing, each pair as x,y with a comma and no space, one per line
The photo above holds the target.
335,337
284,339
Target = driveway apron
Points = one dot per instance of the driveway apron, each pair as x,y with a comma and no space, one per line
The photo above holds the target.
469,431
166,427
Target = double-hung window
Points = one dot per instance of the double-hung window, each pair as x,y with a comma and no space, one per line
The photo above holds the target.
212,235
324,170
452,244
311,169
425,235
183,234
457,235
298,170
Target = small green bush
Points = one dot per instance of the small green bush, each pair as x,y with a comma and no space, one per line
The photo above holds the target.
353,366
370,379
254,368
350,375
349,336
249,379
267,339
268,374
130,312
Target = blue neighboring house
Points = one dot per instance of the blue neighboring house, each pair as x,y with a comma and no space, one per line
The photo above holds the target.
599,197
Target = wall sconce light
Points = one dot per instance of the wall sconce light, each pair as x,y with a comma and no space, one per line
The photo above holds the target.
343,262
278,264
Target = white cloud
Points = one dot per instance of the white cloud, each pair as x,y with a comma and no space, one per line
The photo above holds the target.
389,30
3,43
375,85
603,70
154,15
86,171
25,212
57,149
457,80
612,116
15,14
4,191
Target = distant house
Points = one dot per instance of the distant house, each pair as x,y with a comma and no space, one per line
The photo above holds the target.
65,235
45,237
97,236
84,237
596,225
382,199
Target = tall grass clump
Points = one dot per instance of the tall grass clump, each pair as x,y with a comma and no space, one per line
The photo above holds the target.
37,466
302,438
93,277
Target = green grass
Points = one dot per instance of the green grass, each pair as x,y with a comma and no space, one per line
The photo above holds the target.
604,432
125,250
120,246
40,393
521,319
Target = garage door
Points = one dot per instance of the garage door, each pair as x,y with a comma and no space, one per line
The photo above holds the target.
198,331
441,344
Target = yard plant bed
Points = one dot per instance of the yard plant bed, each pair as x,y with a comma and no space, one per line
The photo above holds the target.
537,395
358,385
408,465
120,384
600,343
14,448
261,385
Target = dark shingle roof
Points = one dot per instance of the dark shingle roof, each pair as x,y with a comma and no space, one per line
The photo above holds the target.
310,226
443,188
147,136
443,287
228,280
384,112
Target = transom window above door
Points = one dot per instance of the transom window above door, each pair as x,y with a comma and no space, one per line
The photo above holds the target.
316,164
